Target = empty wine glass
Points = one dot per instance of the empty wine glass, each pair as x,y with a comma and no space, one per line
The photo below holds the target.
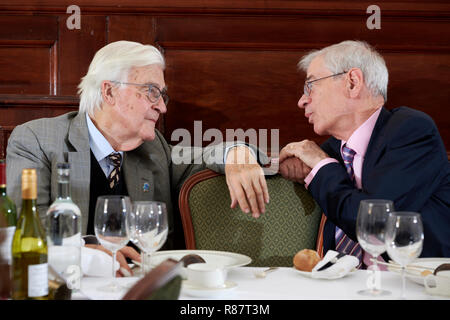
370,231
404,239
111,228
148,228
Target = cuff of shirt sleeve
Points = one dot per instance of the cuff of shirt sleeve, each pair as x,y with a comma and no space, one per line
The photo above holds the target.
237,145
316,168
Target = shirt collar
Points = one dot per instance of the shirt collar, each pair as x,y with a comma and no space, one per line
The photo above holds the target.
359,140
100,147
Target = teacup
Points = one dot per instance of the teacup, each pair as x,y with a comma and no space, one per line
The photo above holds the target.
438,284
206,275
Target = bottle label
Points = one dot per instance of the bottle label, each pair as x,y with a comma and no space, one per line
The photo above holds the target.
38,280
5,246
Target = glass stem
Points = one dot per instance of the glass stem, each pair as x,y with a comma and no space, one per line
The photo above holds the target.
144,264
375,269
114,267
403,296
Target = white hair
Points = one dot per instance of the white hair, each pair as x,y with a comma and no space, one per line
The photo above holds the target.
349,54
113,62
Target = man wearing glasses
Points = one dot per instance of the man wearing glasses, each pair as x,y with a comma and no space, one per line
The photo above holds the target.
113,147
374,153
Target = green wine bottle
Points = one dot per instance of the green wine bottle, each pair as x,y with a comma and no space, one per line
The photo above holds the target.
29,247
8,210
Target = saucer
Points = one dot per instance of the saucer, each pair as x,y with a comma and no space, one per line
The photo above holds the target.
203,292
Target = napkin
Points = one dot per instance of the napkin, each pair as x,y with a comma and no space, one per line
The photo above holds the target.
96,263
342,267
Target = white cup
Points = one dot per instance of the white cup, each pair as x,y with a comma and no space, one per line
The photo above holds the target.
206,275
438,284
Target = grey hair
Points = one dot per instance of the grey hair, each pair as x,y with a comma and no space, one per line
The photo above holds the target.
353,54
113,62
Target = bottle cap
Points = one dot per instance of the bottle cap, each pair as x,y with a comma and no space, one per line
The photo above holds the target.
29,184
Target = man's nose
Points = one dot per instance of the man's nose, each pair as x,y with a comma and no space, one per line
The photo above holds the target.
304,100
160,106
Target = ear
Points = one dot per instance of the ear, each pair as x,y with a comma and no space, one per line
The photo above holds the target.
108,92
355,82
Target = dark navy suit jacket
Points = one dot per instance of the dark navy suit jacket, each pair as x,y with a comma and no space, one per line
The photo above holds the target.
406,162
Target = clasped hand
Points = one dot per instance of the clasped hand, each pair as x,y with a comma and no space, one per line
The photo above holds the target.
298,158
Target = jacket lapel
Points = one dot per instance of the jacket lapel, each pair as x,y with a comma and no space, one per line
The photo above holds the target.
376,143
80,165
138,178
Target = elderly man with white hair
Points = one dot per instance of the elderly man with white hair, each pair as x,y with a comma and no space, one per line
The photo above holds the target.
374,153
114,149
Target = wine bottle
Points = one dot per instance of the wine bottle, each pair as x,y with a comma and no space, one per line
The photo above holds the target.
63,222
8,210
29,247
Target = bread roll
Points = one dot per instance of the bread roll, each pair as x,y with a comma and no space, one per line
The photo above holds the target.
306,260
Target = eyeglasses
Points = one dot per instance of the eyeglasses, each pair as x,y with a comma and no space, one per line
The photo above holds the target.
153,92
307,88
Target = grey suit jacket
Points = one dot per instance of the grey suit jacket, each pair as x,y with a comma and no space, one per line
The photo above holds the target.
42,143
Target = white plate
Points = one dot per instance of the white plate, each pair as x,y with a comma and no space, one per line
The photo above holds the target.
221,258
414,275
309,274
202,292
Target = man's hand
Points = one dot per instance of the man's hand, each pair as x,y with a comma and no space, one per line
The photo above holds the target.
294,169
246,181
122,254
307,151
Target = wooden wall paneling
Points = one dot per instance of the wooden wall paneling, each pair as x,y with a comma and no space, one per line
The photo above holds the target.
300,32
139,28
398,7
27,54
421,81
76,49
235,89
196,46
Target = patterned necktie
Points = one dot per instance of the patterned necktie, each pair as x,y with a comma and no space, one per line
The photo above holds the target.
113,178
343,242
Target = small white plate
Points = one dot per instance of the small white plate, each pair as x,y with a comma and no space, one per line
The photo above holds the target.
221,258
415,275
203,292
309,274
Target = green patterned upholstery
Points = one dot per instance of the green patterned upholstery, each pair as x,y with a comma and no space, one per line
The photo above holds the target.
290,223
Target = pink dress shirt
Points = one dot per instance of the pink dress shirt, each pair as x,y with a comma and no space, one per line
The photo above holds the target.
358,141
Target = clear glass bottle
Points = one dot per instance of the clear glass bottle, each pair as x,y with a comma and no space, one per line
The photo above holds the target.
63,223
8,210
29,247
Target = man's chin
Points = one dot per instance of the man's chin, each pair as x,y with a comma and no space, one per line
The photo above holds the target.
318,130
149,136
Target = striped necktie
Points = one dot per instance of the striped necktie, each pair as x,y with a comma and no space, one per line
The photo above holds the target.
343,242
113,178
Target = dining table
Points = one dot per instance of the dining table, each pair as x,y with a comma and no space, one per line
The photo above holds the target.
285,283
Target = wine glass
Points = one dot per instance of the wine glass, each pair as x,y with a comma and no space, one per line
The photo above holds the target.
148,228
404,239
370,231
111,227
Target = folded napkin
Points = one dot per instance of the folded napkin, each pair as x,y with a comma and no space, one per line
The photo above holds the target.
342,267
96,263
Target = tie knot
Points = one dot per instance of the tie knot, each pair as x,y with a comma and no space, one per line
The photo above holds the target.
115,158
348,153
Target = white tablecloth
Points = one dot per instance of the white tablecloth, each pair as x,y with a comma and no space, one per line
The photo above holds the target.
283,284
